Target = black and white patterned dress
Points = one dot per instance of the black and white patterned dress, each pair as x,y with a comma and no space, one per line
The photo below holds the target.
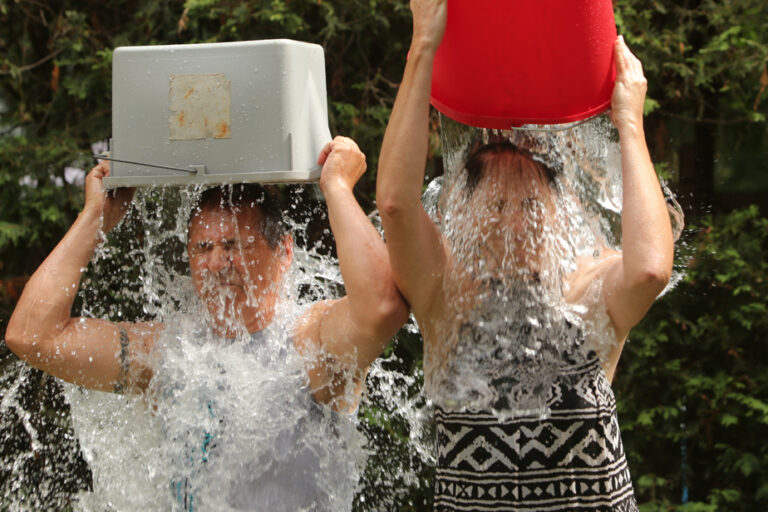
572,460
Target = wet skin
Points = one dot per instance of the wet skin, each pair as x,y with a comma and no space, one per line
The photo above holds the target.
630,280
511,207
234,269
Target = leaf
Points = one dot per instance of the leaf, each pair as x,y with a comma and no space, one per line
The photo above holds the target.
650,105
748,464
645,418
762,492
12,233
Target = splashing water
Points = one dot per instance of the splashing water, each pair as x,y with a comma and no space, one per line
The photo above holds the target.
222,418
229,424
226,424
545,205
222,414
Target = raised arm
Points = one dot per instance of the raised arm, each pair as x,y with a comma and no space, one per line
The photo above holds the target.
354,330
89,352
414,243
633,278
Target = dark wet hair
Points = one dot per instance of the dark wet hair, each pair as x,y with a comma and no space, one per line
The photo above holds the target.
242,196
479,155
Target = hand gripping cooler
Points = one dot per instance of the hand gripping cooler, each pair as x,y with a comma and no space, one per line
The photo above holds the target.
252,111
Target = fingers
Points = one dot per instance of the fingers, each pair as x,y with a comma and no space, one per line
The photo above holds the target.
93,181
323,156
626,62
342,141
337,143
619,58
100,170
628,97
343,164
351,148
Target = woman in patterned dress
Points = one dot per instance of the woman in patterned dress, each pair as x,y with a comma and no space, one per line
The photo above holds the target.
515,432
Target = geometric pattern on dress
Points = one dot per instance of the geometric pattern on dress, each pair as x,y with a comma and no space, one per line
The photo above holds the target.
547,439
573,460
543,492
481,455
573,442
596,392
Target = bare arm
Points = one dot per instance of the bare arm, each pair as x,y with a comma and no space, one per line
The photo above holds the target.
633,278
414,243
354,330
88,352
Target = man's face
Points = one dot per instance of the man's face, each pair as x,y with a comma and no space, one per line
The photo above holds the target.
234,269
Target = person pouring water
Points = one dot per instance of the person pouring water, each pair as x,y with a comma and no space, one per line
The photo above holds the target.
239,253
526,419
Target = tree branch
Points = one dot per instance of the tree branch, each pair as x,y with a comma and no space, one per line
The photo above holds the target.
707,120
42,61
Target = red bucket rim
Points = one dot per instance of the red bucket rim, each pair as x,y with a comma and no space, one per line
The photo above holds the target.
506,122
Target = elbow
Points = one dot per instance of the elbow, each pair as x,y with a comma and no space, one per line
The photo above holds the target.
388,205
650,271
659,273
390,315
654,278
658,280
29,345
395,202
16,341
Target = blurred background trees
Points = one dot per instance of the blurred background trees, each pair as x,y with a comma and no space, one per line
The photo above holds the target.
692,385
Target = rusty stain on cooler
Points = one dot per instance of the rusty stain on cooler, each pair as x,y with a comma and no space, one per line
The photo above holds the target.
199,107
222,131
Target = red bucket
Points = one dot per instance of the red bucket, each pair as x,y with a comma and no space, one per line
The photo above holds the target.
505,63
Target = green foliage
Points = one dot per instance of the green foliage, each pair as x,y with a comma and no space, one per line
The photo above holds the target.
707,67
693,387
55,67
694,373
700,55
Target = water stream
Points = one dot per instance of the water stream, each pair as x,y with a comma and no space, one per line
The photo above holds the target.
221,414
547,205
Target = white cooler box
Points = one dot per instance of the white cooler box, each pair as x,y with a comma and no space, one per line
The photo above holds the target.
252,111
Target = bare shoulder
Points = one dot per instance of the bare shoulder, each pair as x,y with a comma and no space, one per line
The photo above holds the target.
312,340
586,288
308,328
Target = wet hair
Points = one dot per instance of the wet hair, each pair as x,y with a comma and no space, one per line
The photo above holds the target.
243,196
479,155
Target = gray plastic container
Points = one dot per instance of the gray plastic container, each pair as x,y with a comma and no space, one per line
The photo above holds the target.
252,111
